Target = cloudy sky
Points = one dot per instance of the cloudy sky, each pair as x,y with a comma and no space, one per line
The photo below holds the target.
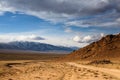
58,22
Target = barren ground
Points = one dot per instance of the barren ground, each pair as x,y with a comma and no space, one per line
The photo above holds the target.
51,70
24,66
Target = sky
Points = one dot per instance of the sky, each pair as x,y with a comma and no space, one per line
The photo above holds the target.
58,22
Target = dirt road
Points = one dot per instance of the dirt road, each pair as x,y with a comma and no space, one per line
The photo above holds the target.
55,71
113,72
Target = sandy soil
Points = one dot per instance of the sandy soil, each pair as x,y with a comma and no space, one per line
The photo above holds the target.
38,70
112,72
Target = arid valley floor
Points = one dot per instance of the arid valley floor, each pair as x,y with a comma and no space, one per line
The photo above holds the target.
41,68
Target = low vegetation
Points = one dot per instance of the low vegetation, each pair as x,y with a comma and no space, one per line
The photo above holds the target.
31,56
100,62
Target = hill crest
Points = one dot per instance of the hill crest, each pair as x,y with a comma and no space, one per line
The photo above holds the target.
106,48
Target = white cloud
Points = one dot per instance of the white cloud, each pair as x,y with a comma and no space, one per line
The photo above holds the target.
76,38
88,38
65,40
77,23
9,38
94,23
62,41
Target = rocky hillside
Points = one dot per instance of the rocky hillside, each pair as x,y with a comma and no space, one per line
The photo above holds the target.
106,48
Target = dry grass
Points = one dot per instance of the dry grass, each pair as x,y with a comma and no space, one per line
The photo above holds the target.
28,56
111,64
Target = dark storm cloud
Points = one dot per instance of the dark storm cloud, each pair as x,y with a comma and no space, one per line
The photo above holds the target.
62,6
65,10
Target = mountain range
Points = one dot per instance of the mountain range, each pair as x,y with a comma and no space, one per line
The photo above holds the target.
33,46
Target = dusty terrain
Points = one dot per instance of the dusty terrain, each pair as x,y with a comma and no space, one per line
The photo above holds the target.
51,70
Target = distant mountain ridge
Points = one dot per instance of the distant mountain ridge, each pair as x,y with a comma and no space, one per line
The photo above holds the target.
33,46
106,48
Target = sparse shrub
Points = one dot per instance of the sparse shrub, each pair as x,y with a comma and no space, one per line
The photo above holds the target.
100,62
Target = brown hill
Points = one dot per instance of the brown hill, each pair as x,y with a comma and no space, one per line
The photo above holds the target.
106,48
